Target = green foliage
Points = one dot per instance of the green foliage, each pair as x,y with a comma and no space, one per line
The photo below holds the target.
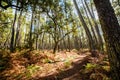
47,60
31,69
67,63
106,68
96,71
4,59
90,66
5,24
98,76
2,68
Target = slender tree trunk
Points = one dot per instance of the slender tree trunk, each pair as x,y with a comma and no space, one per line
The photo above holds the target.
42,41
111,30
65,46
69,45
49,42
92,10
100,40
13,32
92,29
76,43
18,28
89,36
81,45
31,27
55,47
37,36
118,2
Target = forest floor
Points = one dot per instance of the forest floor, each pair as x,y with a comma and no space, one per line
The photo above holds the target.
39,65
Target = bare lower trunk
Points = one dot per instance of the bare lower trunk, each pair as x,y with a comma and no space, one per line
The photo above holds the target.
55,47
111,30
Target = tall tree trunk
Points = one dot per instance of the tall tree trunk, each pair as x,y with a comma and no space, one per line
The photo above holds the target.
64,42
100,40
89,36
31,28
55,47
118,2
13,32
80,43
37,36
42,41
90,23
18,28
50,42
69,45
76,43
111,30
92,9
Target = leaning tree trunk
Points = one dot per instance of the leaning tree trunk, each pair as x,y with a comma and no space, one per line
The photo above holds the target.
111,30
89,36
100,40
90,23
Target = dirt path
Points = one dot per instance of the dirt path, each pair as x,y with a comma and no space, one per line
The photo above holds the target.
46,66
36,65
69,73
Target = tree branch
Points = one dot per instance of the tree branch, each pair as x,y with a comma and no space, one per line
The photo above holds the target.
7,6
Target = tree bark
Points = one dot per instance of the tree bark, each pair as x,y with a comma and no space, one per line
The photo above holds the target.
18,29
91,26
31,27
111,30
89,36
76,43
13,32
55,47
37,36
100,40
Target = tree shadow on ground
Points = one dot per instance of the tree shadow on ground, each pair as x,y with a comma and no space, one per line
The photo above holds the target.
75,69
